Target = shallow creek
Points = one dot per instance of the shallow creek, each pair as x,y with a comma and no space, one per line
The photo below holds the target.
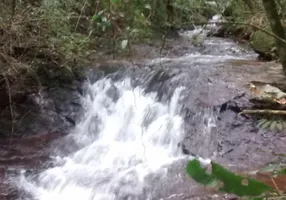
140,126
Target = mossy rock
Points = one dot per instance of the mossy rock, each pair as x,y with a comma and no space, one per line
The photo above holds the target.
263,44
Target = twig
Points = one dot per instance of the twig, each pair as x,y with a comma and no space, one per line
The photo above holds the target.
278,192
82,9
267,111
130,51
10,106
161,49
163,43
13,9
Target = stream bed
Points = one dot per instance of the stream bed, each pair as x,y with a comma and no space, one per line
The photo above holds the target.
140,125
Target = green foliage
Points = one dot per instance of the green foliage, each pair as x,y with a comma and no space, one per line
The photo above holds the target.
199,174
272,124
282,171
226,181
137,19
73,27
101,21
124,44
238,185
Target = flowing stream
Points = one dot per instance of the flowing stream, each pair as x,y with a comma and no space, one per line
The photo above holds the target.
127,136
141,125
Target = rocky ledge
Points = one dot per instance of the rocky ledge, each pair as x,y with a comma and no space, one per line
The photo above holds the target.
53,105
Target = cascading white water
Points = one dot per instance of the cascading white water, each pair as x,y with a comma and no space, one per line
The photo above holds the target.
124,135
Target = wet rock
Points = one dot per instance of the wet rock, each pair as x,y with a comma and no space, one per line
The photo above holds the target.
239,32
264,45
79,73
227,137
266,96
205,131
236,105
158,81
223,31
113,93
50,74
54,107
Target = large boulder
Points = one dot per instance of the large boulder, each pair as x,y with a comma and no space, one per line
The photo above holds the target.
263,44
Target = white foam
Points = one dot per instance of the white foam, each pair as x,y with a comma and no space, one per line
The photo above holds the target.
125,135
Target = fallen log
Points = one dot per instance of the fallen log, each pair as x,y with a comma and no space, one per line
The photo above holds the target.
266,111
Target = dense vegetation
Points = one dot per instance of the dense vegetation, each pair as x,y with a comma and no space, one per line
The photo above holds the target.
34,31
42,35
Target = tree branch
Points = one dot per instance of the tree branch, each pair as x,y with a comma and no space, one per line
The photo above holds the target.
10,106
267,111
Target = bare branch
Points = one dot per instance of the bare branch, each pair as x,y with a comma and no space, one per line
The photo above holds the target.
10,106
266,111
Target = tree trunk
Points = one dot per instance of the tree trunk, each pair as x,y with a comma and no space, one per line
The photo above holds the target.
277,28
170,12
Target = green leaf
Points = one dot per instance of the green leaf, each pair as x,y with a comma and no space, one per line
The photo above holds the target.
238,185
95,17
273,126
147,6
104,19
261,122
124,44
135,30
266,124
100,12
199,174
226,181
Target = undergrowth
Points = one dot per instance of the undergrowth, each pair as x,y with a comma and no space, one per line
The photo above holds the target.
58,33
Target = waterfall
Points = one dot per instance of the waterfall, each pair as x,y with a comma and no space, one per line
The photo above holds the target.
124,135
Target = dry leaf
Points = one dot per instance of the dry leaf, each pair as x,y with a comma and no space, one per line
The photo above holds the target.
280,101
